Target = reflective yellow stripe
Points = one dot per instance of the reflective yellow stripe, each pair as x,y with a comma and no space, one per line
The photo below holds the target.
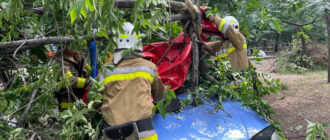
231,49
81,82
153,137
124,36
128,76
222,23
68,74
65,105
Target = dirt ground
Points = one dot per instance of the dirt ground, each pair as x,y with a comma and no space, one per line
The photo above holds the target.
307,97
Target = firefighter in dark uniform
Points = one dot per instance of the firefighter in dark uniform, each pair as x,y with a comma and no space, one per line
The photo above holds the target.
76,71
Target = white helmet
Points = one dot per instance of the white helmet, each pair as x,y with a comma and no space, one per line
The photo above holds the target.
232,21
128,39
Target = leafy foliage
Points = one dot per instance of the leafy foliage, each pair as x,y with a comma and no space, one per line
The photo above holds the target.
163,103
83,121
79,19
293,61
316,131
14,100
254,85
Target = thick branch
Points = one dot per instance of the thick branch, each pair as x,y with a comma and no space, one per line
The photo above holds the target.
301,25
175,6
11,50
36,42
9,47
7,65
180,16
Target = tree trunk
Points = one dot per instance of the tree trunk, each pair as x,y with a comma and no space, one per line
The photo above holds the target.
195,59
196,2
195,66
265,45
276,43
303,44
328,41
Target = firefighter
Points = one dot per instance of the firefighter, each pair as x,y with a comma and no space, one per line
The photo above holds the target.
234,47
76,71
129,89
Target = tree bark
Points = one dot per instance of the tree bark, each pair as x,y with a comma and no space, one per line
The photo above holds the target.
276,43
180,16
303,45
176,6
196,2
10,47
194,36
195,65
328,41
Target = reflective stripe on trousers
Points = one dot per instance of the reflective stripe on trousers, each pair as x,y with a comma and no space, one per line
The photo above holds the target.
152,137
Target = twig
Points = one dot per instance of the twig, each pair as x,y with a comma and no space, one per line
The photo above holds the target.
5,132
168,48
34,93
301,25
33,135
160,36
11,80
54,30
14,55
32,101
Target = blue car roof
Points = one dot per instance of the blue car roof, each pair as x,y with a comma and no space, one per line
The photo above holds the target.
203,123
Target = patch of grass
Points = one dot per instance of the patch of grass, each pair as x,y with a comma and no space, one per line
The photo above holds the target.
317,68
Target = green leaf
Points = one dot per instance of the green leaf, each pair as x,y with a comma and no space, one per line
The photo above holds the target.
326,125
172,93
76,9
276,25
90,105
3,105
90,5
83,11
73,15
308,27
105,34
162,110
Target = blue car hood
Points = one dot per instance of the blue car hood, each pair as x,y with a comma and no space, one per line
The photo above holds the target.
203,123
